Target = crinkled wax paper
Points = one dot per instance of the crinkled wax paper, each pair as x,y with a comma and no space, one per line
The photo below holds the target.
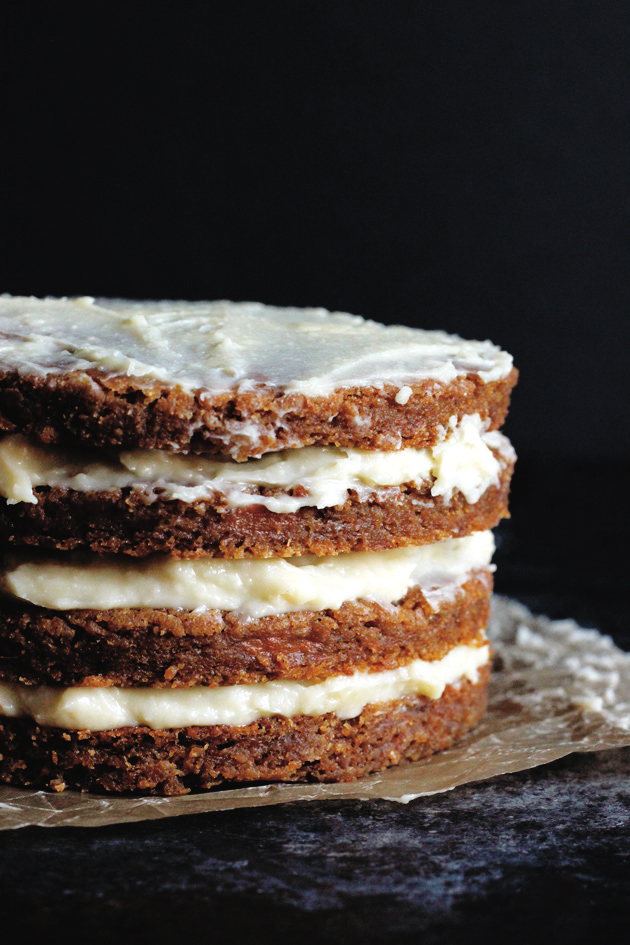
556,689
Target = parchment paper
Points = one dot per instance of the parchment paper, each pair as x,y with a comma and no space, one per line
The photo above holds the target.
556,689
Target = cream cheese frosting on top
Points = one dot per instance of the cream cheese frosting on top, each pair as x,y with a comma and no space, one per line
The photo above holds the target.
223,346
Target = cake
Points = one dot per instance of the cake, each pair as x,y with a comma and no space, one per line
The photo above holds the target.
240,542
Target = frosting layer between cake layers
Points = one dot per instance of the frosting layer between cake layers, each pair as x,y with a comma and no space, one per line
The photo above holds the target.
99,709
256,587
463,461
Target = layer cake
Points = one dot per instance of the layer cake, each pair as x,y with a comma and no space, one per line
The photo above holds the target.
240,542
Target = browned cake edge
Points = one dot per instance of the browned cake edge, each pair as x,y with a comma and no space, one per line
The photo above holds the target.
121,522
89,407
178,761
176,649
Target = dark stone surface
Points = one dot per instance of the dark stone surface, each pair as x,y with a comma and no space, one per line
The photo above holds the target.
527,855
540,856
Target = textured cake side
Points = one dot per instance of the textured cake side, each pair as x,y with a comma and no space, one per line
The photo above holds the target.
172,649
89,407
178,761
122,522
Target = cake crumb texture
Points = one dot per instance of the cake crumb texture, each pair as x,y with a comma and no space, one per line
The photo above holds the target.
85,407
180,761
121,522
176,649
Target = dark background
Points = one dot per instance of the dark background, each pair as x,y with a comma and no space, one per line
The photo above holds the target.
451,164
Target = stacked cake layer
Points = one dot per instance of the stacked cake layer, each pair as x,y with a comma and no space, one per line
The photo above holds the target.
240,542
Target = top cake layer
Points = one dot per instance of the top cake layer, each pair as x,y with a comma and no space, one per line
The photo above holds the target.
240,379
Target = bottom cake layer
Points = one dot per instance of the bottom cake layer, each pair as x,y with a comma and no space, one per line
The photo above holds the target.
177,761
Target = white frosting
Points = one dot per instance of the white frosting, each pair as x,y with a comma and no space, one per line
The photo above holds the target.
219,346
403,396
257,587
104,708
462,462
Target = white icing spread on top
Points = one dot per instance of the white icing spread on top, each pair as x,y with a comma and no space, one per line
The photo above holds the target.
256,587
98,709
463,461
219,346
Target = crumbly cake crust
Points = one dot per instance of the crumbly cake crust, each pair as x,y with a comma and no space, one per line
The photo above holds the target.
122,522
178,761
89,407
174,649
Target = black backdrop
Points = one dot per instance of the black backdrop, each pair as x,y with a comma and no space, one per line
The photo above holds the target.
450,164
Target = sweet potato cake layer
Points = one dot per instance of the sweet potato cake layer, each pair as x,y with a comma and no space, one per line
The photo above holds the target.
173,648
88,407
122,522
177,761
